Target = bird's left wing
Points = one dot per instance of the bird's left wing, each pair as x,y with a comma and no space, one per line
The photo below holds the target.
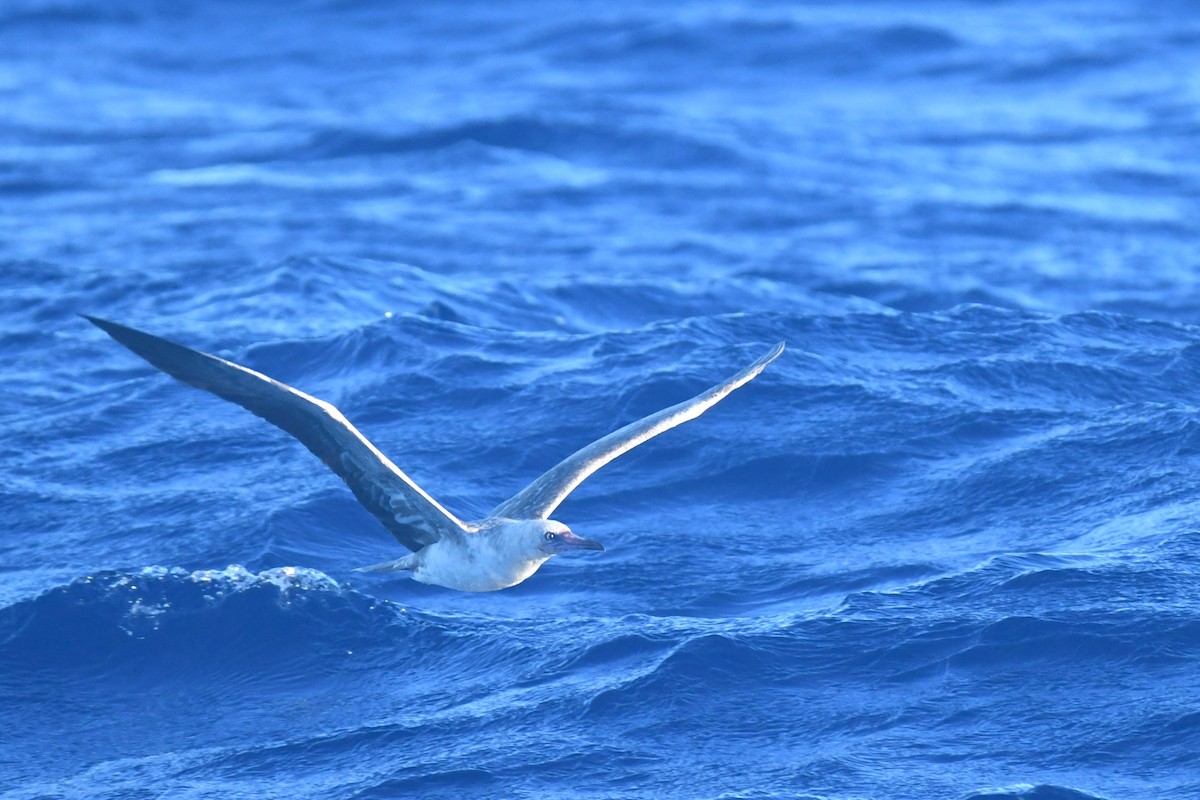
412,516
540,498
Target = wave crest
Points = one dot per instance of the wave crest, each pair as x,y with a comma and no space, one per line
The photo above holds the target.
128,622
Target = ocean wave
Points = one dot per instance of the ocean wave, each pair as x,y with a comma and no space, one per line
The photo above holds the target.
748,40
946,542
586,141
118,626
1043,791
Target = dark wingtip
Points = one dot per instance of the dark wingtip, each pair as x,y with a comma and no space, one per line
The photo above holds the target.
174,359
130,337
102,324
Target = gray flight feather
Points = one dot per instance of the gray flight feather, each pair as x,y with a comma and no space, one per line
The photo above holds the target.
412,516
540,498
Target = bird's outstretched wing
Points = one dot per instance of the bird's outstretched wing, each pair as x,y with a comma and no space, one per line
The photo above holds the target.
413,517
540,498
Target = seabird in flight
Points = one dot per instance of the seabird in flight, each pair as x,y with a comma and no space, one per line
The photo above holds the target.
493,553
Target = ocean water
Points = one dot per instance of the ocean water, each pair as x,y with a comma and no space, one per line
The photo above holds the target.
945,547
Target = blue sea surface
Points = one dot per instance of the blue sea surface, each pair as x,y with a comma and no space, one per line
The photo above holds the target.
947,546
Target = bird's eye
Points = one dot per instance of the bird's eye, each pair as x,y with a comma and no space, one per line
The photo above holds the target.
550,537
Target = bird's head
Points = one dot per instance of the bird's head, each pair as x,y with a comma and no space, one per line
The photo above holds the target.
553,537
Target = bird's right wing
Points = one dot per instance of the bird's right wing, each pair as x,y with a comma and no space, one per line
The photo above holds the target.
540,498
412,516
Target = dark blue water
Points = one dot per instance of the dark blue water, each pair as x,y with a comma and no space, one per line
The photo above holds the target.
946,547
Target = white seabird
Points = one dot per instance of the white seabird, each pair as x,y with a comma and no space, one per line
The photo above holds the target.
493,553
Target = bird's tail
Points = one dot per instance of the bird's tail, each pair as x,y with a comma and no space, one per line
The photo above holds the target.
404,564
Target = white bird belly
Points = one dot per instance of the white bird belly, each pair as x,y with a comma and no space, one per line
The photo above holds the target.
474,566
